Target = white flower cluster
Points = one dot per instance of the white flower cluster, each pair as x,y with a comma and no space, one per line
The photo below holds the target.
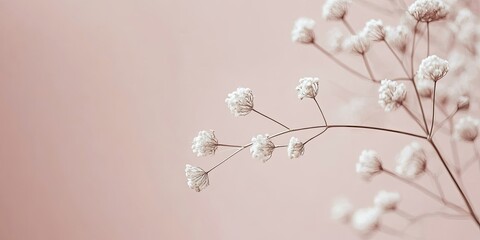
295,148
262,147
358,44
433,68
197,178
342,210
391,95
398,37
365,220
240,102
387,201
368,164
335,9
463,103
308,87
412,161
428,10
335,40
374,30
467,129
303,31
205,143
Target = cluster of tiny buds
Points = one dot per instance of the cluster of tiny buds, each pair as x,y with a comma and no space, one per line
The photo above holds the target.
391,95
432,68
428,10
365,220
466,129
411,162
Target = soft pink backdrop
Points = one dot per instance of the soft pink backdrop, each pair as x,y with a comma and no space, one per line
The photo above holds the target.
100,99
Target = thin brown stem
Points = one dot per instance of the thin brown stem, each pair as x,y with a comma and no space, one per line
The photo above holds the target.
413,74
425,191
403,214
320,133
273,120
340,63
347,25
317,127
428,39
321,112
367,66
228,145
433,107
437,185
414,117
447,119
462,193
230,156
398,59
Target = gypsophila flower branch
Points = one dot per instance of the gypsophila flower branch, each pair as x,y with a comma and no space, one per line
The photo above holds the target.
422,94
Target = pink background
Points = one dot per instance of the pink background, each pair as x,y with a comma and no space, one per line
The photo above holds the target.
100,100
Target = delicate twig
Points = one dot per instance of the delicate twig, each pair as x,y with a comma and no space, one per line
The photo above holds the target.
321,112
403,214
425,191
447,119
475,150
437,184
367,66
275,121
414,117
390,231
317,127
433,107
347,25
462,193
467,165
413,80
435,214
413,50
320,133
228,145
398,59
428,39
231,155
340,63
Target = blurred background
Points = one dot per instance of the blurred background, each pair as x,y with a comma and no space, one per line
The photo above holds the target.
100,101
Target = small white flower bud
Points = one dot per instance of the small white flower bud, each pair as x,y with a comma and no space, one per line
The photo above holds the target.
391,95
342,210
397,37
387,200
412,161
308,87
368,164
374,30
303,31
358,44
205,143
197,178
262,147
295,148
335,9
366,220
433,68
428,10
335,40
240,102
467,129
463,103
